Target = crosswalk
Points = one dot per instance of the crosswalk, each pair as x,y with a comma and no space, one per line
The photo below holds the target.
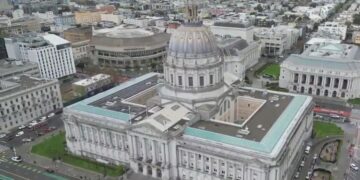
5,160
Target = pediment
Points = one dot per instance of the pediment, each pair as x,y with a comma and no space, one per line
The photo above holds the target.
146,128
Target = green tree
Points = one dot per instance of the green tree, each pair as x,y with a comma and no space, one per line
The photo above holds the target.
259,8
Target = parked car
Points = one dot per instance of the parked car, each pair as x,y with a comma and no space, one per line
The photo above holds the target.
354,167
49,170
51,115
21,127
9,138
297,175
42,119
315,156
39,133
308,176
27,139
307,149
20,133
16,159
302,164
2,135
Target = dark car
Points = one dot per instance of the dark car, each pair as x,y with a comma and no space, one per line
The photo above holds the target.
49,170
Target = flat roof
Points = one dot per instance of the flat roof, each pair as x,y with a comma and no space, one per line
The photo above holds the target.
110,103
10,66
55,40
270,110
274,123
92,79
20,83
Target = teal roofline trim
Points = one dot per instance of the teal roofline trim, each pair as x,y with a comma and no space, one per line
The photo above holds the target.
83,106
268,142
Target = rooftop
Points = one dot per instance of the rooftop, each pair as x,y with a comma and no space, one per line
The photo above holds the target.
18,84
317,40
113,103
55,40
91,80
257,135
333,51
9,66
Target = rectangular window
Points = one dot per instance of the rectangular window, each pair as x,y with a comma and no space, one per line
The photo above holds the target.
179,80
191,83
296,77
319,83
327,83
345,84
201,79
171,78
211,79
312,79
303,79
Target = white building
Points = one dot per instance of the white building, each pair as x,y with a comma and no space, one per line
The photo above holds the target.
24,98
17,14
5,21
329,70
116,18
319,40
141,22
333,28
275,40
229,29
192,125
52,53
10,68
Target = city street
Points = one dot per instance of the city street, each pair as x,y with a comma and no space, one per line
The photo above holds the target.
54,121
10,170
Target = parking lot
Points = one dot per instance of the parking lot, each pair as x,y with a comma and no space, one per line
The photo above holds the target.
12,140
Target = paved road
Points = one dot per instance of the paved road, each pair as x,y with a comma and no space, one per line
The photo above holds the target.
354,175
10,170
54,121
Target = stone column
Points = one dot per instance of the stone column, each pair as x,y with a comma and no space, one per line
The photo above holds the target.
163,152
167,154
187,159
134,143
226,169
218,167
210,165
153,152
143,149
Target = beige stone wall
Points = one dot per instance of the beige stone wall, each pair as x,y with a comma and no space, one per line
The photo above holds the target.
246,106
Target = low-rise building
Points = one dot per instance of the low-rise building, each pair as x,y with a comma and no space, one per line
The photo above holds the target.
81,49
128,47
333,28
78,34
231,29
92,85
275,40
24,98
356,37
87,17
115,18
65,19
319,40
329,70
10,68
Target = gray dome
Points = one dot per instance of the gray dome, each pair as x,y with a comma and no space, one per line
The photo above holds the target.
192,41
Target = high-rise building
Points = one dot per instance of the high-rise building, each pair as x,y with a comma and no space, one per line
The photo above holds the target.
52,53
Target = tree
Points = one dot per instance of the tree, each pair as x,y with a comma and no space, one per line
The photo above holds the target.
259,8
356,19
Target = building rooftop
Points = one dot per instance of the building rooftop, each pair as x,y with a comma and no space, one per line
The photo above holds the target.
19,84
91,80
55,40
113,103
8,66
257,135
334,51
317,40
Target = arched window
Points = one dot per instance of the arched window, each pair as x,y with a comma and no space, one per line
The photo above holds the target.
326,93
318,92
334,94
310,90
302,89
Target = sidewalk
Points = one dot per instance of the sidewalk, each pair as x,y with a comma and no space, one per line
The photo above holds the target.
58,166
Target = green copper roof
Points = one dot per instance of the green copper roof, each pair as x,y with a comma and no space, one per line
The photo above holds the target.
272,137
84,105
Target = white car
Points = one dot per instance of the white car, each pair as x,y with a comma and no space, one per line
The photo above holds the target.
302,164
27,140
43,119
2,135
16,159
21,127
20,133
51,115
354,167
315,156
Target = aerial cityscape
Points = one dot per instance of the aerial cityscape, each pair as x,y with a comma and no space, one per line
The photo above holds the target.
179,89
